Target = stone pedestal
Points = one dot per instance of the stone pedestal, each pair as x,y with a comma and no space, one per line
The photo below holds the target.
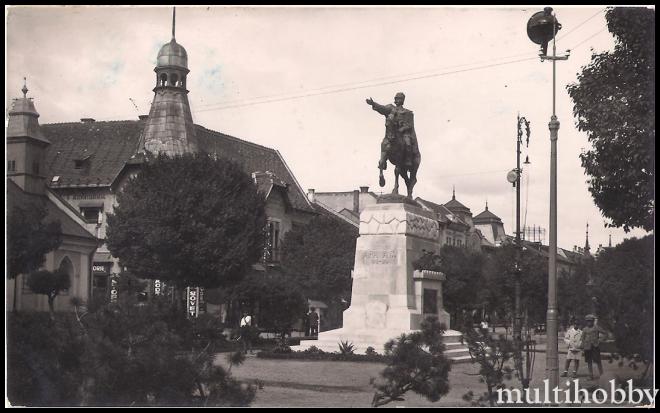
389,297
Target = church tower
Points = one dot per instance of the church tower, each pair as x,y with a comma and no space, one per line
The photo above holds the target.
170,127
587,248
26,146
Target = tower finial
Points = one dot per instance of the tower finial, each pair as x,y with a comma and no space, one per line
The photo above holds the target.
586,243
25,89
453,192
486,204
610,244
173,21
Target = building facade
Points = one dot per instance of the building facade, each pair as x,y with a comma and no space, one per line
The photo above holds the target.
27,147
84,164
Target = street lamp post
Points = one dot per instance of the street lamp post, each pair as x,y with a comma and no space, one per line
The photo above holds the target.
541,28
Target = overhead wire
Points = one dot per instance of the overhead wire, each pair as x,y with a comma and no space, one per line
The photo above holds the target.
344,87
580,25
365,81
293,95
365,86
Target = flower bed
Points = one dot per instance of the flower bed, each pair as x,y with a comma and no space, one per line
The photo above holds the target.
320,355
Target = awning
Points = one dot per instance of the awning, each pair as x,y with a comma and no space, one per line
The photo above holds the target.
316,304
91,203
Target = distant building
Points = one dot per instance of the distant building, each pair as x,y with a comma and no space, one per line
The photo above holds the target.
454,219
491,226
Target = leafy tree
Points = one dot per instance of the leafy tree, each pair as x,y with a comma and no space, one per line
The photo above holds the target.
190,220
573,297
320,257
116,355
615,104
278,298
624,277
417,364
29,237
498,282
49,284
492,355
463,268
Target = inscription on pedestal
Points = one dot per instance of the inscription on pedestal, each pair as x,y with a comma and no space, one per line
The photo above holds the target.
379,257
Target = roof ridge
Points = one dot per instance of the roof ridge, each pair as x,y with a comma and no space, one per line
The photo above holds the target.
224,135
90,123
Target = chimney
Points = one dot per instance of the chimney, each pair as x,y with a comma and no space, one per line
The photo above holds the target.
87,120
143,117
310,195
364,189
356,201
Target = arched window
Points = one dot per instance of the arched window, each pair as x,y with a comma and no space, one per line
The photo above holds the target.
67,266
163,79
173,79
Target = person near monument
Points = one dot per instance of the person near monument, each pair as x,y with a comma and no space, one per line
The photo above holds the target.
246,332
591,345
573,338
399,124
313,322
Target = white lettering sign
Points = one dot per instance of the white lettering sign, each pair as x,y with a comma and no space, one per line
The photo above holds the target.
193,302
114,284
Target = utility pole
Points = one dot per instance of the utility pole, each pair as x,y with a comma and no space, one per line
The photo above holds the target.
541,28
517,324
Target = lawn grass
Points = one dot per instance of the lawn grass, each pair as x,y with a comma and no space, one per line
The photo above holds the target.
305,383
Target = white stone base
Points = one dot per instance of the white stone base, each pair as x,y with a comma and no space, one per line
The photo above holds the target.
329,341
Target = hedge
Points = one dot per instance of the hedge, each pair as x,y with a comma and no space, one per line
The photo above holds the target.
320,355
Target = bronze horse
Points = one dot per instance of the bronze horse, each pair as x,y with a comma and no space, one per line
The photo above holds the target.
397,154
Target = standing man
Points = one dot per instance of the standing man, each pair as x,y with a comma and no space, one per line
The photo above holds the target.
246,332
313,322
573,338
591,345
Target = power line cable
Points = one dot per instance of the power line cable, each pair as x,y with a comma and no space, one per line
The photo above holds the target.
365,81
580,25
245,100
366,86
588,38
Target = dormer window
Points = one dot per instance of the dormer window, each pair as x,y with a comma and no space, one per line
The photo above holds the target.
81,163
92,214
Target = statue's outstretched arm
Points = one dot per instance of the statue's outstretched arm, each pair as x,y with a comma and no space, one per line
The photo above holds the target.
383,110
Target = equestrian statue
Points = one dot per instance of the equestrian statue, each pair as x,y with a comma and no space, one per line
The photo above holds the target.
399,145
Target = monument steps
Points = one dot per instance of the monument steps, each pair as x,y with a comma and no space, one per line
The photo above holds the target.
329,341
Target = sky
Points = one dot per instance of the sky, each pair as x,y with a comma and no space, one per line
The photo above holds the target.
296,78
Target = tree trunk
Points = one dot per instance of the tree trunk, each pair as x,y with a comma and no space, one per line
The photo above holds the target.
51,306
15,292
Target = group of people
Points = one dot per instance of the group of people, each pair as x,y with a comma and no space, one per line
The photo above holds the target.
583,340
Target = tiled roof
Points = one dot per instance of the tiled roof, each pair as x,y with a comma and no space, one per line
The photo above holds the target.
323,209
107,146
454,204
486,216
253,158
17,197
444,214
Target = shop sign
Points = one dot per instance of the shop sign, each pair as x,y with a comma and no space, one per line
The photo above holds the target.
158,287
114,287
192,294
